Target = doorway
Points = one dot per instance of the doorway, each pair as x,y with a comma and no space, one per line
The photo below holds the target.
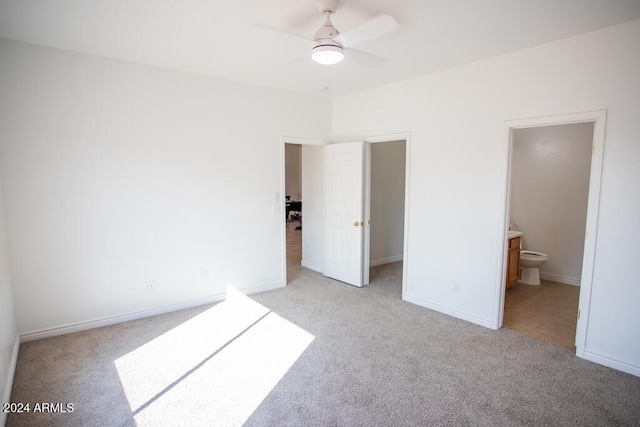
385,210
549,187
314,236
302,247
365,207
386,201
553,189
293,206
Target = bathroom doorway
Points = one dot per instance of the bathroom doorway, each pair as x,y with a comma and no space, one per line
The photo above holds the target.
552,197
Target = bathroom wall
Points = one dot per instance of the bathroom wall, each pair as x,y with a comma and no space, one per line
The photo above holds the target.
387,201
293,171
550,169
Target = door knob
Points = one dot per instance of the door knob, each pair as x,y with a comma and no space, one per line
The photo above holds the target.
356,224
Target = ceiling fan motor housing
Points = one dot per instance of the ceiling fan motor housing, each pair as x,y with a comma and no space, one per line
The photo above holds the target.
326,33
328,5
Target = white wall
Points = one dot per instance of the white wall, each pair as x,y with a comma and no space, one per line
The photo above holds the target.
116,174
387,201
293,171
458,173
8,333
550,169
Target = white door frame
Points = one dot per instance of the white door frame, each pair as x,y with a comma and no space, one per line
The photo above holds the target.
598,118
280,198
401,136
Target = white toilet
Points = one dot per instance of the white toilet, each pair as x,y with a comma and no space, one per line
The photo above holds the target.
530,263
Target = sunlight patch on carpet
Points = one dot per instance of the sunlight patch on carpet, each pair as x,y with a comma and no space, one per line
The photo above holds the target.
215,368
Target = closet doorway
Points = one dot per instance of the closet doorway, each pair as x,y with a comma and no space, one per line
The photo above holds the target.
385,200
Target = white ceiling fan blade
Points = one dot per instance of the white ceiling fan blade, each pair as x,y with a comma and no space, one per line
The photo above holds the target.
363,58
373,28
296,61
281,31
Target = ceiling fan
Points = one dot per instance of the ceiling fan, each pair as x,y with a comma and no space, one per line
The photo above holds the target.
329,44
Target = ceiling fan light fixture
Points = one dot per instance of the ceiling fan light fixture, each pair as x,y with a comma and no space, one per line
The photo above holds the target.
327,54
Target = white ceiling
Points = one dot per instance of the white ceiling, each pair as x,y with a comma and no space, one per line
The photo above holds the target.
225,39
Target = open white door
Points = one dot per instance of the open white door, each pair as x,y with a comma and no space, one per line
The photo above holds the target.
344,212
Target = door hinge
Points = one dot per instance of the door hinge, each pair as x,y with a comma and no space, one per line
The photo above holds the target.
578,314
586,233
593,148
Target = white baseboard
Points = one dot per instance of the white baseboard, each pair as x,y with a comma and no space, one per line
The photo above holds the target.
612,363
11,372
311,266
384,261
449,311
560,279
106,321
264,288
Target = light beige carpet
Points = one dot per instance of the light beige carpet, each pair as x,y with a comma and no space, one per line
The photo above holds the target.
317,352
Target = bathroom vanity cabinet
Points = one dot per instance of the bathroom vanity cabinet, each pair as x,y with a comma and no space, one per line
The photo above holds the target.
513,260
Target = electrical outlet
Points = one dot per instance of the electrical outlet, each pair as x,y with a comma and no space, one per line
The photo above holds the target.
205,276
151,285
456,288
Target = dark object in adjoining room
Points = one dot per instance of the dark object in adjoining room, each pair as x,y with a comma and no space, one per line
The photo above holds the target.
295,207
